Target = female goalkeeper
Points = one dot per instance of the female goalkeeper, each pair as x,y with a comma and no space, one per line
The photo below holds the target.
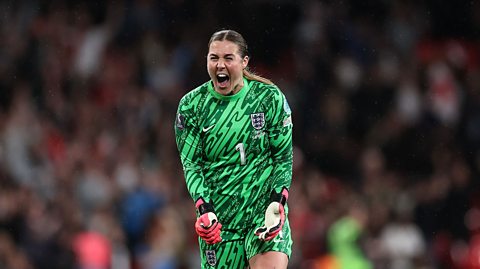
234,136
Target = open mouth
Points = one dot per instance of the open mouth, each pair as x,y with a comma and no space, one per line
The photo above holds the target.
223,80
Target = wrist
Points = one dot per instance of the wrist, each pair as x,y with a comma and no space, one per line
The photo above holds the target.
203,207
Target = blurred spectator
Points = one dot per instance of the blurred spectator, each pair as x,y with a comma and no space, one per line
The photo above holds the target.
164,242
401,239
344,237
93,251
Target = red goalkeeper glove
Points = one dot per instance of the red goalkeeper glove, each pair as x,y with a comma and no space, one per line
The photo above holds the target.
207,225
274,216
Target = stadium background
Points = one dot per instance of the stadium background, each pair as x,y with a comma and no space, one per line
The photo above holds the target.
386,104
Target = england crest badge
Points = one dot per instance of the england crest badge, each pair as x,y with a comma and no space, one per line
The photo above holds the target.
211,257
258,120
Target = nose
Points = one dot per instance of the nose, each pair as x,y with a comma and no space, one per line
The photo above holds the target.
220,63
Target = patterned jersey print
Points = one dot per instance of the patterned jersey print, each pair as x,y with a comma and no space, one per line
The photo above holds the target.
235,149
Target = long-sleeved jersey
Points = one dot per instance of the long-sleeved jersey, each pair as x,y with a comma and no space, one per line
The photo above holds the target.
235,149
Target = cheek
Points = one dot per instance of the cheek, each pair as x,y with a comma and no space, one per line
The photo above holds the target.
238,69
210,68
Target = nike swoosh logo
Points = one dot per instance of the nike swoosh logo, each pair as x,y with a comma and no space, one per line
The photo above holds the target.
208,128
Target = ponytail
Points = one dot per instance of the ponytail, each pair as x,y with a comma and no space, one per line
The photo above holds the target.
252,76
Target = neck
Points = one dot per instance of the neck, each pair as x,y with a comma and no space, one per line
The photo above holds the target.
237,88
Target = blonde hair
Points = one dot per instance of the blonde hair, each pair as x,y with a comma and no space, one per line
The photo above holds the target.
237,38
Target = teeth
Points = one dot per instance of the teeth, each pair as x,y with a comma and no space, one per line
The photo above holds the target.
222,75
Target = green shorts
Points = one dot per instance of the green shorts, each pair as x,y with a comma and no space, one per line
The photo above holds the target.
238,247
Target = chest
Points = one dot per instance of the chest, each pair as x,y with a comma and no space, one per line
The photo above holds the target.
229,128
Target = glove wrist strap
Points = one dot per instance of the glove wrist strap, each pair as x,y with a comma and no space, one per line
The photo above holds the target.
281,197
203,207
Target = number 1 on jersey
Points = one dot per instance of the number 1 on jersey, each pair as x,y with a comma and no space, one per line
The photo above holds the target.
240,148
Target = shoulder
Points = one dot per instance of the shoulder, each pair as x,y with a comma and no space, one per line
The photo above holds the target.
193,96
267,90
255,84
271,96
188,106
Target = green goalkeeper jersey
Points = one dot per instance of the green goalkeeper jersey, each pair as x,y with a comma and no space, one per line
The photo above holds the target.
235,149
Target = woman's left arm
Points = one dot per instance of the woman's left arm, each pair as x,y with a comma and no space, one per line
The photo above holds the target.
280,128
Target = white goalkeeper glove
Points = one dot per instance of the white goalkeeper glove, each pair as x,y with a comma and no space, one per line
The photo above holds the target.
274,216
207,225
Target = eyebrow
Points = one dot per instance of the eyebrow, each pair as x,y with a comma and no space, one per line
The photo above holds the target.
226,55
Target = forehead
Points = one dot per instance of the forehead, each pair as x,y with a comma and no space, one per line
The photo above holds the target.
223,47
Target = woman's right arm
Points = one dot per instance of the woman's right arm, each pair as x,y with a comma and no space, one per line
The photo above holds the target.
187,136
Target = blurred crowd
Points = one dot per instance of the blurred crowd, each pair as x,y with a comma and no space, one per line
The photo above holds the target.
386,104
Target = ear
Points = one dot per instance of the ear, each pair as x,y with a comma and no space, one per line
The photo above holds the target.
245,62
